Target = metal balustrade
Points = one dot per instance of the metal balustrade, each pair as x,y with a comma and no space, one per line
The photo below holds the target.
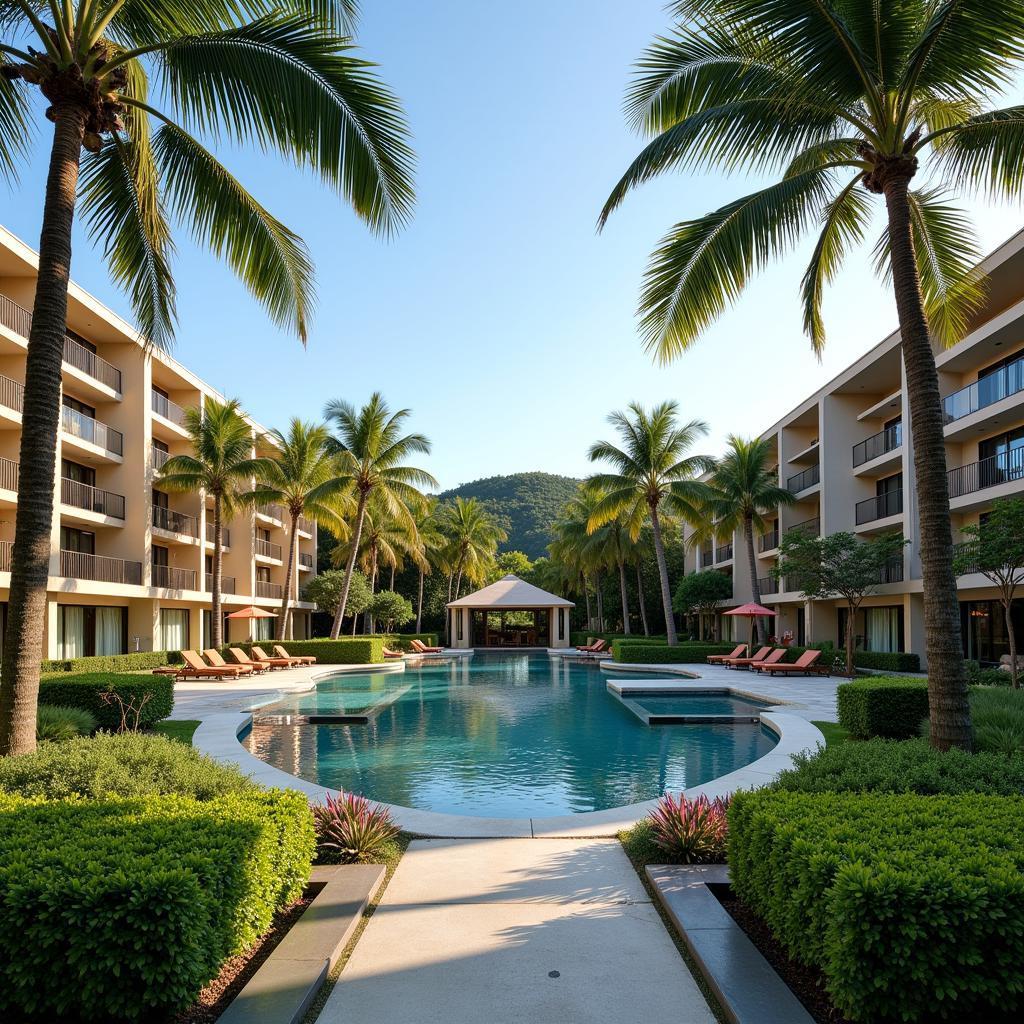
163,406
8,475
12,394
77,424
268,549
78,565
976,476
94,499
812,527
724,552
227,583
707,557
879,507
305,525
768,541
892,571
271,511
175,522
768,585
265,589
6,548
170,577
160,458
1007,380
225,535
801,481
877,444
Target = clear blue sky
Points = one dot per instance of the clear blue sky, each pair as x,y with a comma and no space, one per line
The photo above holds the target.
500,303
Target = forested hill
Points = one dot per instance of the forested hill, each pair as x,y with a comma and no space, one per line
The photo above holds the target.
526,504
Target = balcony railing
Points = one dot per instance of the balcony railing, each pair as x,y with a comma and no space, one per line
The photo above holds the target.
878,444
879,507
165,407
160,458
892,571
264,589
768,541
78,565
8,475
12,394
707,557
77,424
80,495
170,577
768,585
19,320
1007,380
227,583
808,478
225,535
976,476
175,522
724,552
268,548
812,527
6,547
305,525
275,512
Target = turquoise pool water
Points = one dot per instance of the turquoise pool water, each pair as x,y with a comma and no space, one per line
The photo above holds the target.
698,704
512,735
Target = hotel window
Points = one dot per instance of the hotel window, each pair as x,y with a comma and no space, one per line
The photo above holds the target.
73,539
84,630
79,407
173,630
874,629
75,471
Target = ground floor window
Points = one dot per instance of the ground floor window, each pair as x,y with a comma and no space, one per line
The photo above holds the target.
172,634
262,629
874,628
84,630
207,626
983,627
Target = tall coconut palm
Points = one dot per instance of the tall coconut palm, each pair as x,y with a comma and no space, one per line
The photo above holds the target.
301,475
473,536
652,471
744,488
222,466
276,74
431,540
372,450
849,101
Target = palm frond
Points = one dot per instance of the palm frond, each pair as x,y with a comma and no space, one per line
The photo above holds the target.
986,150
16,125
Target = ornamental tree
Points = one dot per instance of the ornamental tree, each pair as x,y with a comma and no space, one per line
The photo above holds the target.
699,593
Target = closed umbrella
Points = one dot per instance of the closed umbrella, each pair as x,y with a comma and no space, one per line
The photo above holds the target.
252,612
751,610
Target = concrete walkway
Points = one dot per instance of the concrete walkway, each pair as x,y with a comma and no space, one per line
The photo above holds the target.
547,931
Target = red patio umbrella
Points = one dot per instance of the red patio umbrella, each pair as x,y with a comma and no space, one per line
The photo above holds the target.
252,612
751,610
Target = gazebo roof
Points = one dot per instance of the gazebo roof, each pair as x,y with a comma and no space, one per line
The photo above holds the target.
511,592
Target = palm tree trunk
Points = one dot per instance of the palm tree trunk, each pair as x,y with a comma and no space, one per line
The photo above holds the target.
217,619
641,601
948,705
419,606
755,587
586,590
666,594
368,615
600,601
624,596
286,602
350,565
391,585
30,562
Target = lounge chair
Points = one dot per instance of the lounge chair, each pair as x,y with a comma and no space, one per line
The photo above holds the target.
713,659
759,655
196,668
595,648
212,655
260,655
773,657
388,653
421,648
805,664
305,659
241,658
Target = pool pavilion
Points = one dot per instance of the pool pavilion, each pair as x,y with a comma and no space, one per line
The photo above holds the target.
510,613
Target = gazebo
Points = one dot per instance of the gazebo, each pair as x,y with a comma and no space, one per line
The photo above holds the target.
510,613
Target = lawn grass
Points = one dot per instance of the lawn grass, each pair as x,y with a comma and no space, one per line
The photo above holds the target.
177,729
833,732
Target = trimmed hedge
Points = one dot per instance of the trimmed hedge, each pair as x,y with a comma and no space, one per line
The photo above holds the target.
139,901
912,906
893,707
124,765
359,650
908,766
579,637
137,661
659,654
886,661
83,689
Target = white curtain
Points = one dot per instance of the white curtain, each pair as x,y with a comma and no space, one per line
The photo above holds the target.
263,629
72,632
173,629
882,627
109,634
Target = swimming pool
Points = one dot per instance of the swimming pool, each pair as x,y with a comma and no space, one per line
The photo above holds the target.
510,735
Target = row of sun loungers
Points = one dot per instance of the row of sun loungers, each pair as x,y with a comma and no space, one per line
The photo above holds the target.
769,660
241,664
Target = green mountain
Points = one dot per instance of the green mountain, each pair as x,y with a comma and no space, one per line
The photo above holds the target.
526,504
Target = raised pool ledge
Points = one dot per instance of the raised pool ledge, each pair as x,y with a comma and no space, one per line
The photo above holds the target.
218,736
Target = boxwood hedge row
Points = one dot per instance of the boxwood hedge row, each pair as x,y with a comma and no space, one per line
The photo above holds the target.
889,706
137,661
83,689
358,650
640,653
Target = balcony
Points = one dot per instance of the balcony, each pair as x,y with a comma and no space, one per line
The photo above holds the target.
78,565
160,458
93,499
175,522
6,547
227,583
768,541
724,552
808,478
879,507
265,589
268,549
12,394
19,320
892,571
707,557
768,585
225,535
812,527
79,425
884,441
305,525
275,512
8,475
165,407
170,577
1007,380
976,476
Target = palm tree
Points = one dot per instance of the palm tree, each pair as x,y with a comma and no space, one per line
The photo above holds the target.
301,475
221,466
744,488
847,100
473,537
285,79
652,470
371,451
431,540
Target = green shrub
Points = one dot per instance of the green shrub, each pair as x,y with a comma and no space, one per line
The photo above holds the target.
998,719
83,689
56,724
907,766
658,654
125,765
358,650
887,661
137,661
580,637
351,830
882,706
403,641
139,902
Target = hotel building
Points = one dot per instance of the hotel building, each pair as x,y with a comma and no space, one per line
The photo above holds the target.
131,564
846,455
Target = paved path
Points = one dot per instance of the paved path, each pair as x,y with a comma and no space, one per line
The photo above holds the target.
546,931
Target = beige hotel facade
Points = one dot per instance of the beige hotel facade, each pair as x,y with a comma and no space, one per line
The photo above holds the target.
846,455
130,565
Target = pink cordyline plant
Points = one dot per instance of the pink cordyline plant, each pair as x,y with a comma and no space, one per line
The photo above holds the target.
349,828
691,831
